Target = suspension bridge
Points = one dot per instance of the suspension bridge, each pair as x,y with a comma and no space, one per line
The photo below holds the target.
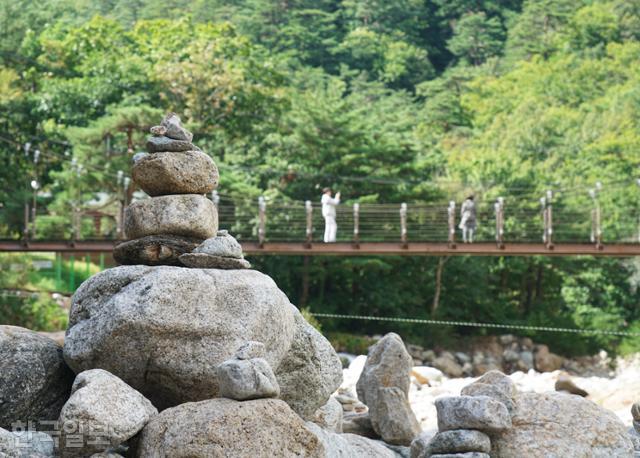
272,228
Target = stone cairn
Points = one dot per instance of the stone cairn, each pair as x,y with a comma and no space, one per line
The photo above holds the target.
178,225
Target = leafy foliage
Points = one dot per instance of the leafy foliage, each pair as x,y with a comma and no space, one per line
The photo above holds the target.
410,100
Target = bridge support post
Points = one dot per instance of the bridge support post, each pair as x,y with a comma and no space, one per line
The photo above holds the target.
309,212
451,212
262,220
403,224
596,221
356,225
499,207
25,231
547,219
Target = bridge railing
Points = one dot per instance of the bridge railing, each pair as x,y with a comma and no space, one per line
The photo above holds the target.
372,222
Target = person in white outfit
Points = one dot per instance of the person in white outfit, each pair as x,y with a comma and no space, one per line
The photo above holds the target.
329,214
468,219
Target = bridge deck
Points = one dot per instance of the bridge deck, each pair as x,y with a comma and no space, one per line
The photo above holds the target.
365,248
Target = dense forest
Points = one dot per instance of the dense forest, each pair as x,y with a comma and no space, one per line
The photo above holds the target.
387,101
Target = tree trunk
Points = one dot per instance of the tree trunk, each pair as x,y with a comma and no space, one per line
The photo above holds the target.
436,296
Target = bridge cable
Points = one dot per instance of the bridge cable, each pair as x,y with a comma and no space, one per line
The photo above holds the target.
478,325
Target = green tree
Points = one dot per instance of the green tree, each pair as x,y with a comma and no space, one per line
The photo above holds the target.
476,38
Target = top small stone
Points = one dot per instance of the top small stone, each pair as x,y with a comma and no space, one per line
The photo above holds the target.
222,244
174,129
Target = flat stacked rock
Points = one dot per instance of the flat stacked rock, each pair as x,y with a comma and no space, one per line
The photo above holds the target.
177,217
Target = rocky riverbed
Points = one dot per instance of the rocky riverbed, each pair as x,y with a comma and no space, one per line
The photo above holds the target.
616,392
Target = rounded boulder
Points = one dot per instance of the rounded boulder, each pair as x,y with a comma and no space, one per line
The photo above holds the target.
187,215
191,172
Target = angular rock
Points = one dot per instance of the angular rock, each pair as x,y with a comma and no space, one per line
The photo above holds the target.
559,424
187,215
164,330
635,438
169,145
564,383
459,441
359,424
207,261
472,412
492,391
545,361
224,427
310,371
173,128
493,384
190,172
243,379
154,250
448,366
35,382
329,416
103,411
384,386
349,445
635,413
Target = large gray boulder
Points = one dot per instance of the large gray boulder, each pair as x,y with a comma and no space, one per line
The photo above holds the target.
227,428
310,371
384,387
34,380
188,215
190,172
559,424
104,411
164,330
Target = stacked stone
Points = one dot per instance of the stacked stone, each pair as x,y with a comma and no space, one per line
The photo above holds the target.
177,217
465,422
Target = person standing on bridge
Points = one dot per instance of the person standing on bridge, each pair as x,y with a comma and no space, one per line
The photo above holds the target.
468,219
329,204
